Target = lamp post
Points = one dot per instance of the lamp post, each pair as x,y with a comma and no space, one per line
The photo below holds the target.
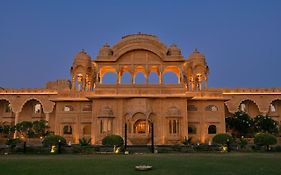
152,138
126,128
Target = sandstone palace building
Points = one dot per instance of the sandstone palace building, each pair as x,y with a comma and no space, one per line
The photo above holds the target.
138,81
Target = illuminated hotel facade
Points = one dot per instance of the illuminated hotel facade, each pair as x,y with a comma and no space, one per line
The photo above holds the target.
129,83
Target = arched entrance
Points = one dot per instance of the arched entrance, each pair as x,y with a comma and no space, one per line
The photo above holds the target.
139,129
142,126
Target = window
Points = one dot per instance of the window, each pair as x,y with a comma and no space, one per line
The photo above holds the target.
68,108
212,108
174,126
140,126
191,108
8,108
212,129
105,126
67,130
37,108
191,130
87,108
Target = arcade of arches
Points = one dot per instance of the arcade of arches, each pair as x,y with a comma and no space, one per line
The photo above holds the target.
137,81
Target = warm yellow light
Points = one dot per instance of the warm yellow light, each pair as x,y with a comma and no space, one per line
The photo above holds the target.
53,149
224,149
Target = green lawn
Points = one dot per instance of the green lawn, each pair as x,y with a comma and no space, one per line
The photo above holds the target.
164,164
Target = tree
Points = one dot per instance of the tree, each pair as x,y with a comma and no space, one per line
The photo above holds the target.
7,131
39,128
265,139
25,129
240,124
266,124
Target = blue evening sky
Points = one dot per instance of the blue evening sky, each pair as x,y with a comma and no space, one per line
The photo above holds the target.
241,39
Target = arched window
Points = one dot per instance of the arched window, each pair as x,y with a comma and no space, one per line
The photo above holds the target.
212,108
191,129
191,108
109,78
126,78
212,129
174,126
68,108
37,108
170,78
106,125
67,130
140,78
153,78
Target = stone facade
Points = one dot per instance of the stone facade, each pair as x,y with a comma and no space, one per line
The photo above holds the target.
89,106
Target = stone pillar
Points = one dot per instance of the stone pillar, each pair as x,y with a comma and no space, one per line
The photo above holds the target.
73,83
83,83
16,122
47,117
119,77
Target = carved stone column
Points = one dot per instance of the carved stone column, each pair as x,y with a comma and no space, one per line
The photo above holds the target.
16,122
47,117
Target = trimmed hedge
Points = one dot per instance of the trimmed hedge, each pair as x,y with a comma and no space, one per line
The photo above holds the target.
265,139
113,140
222,139
53,140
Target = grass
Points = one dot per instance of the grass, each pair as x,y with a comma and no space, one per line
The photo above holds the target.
164,164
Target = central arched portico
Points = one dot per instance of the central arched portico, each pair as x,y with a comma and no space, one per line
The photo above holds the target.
139,128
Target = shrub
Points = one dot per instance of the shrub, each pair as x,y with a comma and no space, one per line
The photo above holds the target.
13,142
187,141
85,142
265,139
222,139
243,142
53,140
113,140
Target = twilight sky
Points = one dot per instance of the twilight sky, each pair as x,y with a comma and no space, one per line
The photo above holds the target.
241,39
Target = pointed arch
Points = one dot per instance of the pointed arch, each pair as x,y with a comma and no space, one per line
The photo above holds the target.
126,78
250,107
153,78
140,78
170,78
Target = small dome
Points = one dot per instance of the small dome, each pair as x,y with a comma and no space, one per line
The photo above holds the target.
197,57
82,59
173,50
105,51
